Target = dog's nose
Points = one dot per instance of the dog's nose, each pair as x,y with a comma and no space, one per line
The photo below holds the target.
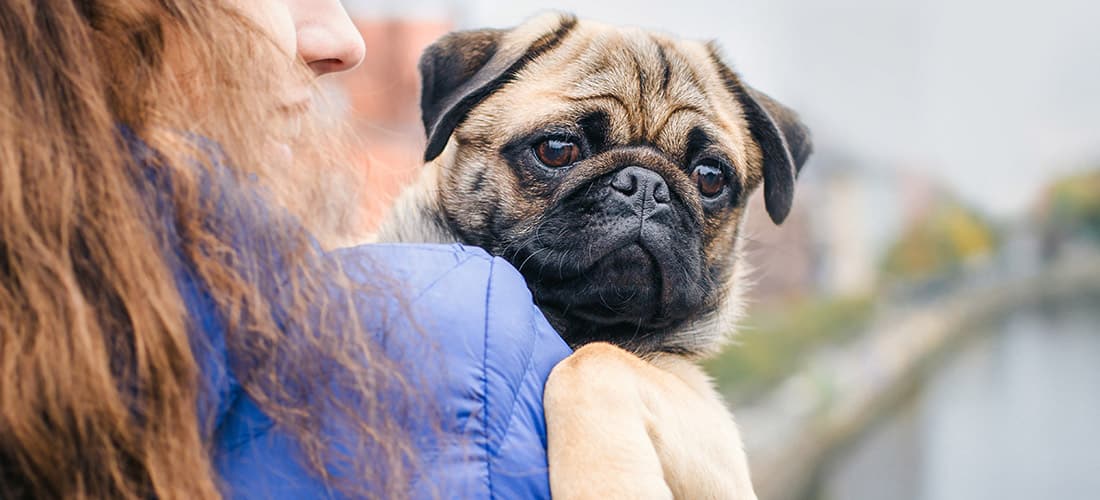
642,184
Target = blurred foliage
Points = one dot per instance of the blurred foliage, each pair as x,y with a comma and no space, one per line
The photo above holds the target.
939,242
1072,205
774,340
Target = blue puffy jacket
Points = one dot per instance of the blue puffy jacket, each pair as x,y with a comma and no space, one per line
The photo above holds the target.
497,351
474,313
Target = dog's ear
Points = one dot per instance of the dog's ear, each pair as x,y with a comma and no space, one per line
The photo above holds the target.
445,66
463,68
784,141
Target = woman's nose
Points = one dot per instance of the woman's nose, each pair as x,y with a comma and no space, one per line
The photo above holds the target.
328,41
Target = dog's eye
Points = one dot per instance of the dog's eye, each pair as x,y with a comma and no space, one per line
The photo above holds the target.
557,153
710,179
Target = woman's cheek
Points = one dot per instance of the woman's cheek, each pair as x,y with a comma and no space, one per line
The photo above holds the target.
275,18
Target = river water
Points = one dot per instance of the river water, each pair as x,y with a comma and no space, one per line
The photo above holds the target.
1013,413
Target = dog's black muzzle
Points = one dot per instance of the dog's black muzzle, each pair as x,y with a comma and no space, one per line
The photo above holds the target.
628,260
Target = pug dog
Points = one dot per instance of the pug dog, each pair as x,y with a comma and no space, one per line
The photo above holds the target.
612,167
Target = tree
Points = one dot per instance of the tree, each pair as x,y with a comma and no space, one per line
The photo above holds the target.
940,241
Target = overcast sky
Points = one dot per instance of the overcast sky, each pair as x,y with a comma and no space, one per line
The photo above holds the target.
995,97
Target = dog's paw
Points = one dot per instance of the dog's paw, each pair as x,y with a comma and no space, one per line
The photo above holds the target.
596,375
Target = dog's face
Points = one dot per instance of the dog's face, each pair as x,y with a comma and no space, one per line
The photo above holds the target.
611,167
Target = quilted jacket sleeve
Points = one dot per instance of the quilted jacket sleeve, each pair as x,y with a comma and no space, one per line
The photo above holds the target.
491,353
521,349
497,350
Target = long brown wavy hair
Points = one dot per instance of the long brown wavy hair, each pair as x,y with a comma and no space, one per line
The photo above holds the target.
100,386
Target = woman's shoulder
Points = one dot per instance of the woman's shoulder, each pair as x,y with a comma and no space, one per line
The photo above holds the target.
465,302
489,352
445,286
495,347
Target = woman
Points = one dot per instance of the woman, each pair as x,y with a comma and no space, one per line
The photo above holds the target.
169,325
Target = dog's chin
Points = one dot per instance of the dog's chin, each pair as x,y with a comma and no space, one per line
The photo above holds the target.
632,297
624,286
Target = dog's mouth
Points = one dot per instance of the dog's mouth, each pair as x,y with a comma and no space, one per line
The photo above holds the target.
623,286
629,295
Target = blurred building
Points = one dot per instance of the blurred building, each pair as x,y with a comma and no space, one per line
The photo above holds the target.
847,231
845,217
783,260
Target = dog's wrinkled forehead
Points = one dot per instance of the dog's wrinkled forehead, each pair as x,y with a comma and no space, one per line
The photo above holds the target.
648,90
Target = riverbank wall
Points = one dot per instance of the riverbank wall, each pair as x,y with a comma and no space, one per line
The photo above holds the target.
843,389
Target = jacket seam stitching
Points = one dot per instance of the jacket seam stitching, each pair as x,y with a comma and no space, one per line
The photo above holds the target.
435,282
512,411
485,382
528,367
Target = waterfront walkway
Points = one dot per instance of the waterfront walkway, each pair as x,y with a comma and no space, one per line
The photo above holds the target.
843,388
